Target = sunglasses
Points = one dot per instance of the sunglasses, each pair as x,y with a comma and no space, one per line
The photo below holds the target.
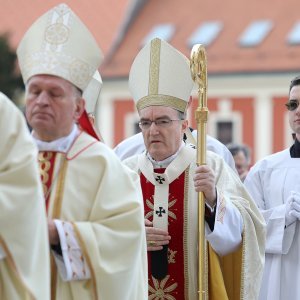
292,105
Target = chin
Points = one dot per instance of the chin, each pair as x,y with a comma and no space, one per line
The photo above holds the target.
157,157
153,154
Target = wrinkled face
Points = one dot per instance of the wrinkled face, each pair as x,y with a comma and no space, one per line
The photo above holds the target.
294,115
162,139
241,163
53,105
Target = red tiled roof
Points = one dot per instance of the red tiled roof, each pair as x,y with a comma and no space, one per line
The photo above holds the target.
224,54
102,17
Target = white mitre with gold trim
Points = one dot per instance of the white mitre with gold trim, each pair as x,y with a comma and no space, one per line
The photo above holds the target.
160,75
59,44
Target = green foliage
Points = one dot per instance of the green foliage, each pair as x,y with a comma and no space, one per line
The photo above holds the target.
10,79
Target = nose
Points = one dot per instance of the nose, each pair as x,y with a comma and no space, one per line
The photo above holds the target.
42,99
298,110
153,129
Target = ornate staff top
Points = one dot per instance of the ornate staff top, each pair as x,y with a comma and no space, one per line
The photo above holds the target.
198,66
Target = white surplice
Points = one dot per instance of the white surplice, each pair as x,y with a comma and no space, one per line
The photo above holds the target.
270,182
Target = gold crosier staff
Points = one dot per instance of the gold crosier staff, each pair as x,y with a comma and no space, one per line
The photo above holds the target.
198,67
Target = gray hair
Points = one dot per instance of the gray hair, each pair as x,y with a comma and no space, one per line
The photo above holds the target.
235,148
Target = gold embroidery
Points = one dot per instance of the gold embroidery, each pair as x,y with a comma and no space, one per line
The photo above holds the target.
164,100
161,290
154,66
79,72
171,256
45,156
57,34
44,167
171,214
58,197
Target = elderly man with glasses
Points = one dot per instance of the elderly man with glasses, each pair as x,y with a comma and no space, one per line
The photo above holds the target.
274,184
160,82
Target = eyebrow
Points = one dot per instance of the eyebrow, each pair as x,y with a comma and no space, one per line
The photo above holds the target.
32,85
159,118
52,88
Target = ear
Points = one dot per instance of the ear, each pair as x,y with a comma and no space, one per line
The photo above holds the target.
79,108
184,125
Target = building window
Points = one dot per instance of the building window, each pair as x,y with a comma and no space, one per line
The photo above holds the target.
294,35
225,132
255,33
205,34
162,31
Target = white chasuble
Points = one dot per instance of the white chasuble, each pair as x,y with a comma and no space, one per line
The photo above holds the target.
92,191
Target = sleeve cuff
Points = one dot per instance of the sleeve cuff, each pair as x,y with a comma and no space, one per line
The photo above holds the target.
71,263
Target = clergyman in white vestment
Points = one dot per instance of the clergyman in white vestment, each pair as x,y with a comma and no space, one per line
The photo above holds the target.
160,82
93,202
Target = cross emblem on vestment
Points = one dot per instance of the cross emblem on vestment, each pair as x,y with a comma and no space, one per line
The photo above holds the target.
160,179
160,211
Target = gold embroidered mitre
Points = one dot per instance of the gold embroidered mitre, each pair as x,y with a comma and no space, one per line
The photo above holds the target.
59,44
160,75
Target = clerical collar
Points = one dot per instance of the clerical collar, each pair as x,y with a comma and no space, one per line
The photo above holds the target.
164,163
60,145
295,149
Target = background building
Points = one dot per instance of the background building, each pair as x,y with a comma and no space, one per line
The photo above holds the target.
253,50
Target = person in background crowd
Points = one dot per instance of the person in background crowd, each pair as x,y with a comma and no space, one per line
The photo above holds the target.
242,159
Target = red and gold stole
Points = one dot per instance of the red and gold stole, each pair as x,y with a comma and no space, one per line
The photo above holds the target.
173,285
46,166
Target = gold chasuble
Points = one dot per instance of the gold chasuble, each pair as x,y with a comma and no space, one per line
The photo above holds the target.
106,221
234,276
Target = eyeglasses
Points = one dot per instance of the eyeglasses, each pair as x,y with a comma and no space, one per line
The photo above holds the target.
162,123
292,104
